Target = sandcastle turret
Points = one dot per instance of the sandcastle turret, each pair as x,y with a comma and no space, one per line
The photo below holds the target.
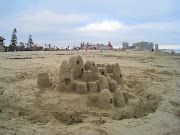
87,76
92,87
119,100
78,68
103,83
81,88
105,100
72,60
89,65
43,80
64,77
64,71
95,73
117,75
112,84
110,68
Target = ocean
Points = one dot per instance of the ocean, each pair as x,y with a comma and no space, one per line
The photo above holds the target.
177,50
169,50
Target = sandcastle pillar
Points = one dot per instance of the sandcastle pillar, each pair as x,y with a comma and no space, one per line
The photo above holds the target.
43,80
119,100
78,68
81,88
117,75
105,100
92,87
103,83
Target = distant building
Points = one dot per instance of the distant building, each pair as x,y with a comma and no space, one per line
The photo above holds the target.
156,46
151,46
144,45
125,45
37,48
2,47
98,46
137,45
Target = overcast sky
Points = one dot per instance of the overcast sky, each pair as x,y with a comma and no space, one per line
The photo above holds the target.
68,22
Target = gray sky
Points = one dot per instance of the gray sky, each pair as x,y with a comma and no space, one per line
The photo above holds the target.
67,23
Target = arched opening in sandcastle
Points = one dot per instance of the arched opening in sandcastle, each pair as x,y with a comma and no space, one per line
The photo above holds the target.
82,70
77,62
111,101
93,64
102,73
67,81
120,76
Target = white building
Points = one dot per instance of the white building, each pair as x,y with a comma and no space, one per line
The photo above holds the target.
125,45
156,46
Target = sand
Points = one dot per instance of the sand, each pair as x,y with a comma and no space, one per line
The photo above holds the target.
153,77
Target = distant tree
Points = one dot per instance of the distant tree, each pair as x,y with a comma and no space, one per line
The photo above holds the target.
13,43
45,45
27,45
21,44
30,41
49,45
35,45
57,48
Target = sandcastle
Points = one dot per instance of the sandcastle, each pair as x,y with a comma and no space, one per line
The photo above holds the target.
103,82
104,79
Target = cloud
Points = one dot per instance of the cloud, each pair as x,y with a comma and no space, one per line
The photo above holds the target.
116,26
105,26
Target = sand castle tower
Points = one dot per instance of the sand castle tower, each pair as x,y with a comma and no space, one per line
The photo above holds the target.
112,84
92,87
72,60
105,100
64,77
110,68
81,88
103,83
117,75
43,80
89,65
119,100
95,73
78,68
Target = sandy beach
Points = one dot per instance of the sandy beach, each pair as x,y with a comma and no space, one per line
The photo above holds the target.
154,77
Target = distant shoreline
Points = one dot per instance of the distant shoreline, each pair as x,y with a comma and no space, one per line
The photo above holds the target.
170,50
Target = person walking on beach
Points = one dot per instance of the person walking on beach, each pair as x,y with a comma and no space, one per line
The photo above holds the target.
86,49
